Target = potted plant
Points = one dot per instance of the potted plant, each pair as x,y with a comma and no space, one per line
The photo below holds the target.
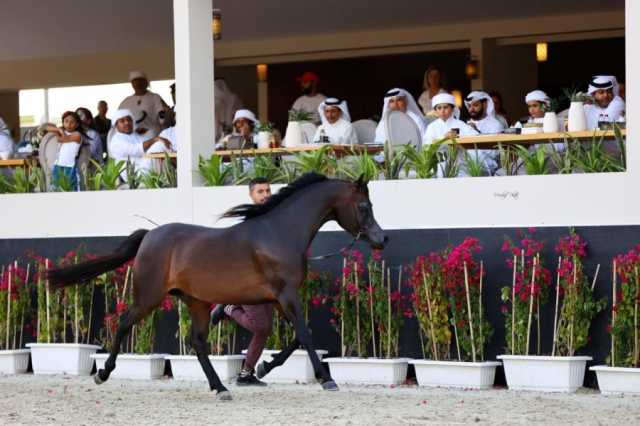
563,371
368,317
137,360
185,365
265,134
447,295
293,136
298,367
63,324
622,374
577,117
15,309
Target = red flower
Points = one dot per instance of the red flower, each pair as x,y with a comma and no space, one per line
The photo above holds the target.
167,303
121,307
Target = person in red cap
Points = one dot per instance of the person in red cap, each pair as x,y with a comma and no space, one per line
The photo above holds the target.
310,99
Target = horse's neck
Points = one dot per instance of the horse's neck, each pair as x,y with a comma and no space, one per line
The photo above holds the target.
305,215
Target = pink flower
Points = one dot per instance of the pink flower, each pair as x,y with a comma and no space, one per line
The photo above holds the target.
166,304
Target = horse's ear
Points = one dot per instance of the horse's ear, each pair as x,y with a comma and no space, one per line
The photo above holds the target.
362,182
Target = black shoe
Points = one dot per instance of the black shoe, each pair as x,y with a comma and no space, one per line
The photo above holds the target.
247,378
217,314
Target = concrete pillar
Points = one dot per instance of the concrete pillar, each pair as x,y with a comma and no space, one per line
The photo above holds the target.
193,44
632,35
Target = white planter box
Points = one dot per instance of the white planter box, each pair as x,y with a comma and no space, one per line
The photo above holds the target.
368,371
187,367
14,361
453,374
616,380
62,358
544,373
132,366
296,369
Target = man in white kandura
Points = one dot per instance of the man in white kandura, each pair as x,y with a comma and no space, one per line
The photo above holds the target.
482,113
336,125
126,144
148,103
537,104
608,106
448,125
399,100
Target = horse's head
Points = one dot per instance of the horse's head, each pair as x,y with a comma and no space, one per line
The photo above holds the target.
355,215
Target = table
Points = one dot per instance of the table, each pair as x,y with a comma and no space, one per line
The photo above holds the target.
14,162
491,141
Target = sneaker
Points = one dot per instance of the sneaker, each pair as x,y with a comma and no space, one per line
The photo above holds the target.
217,314
247,378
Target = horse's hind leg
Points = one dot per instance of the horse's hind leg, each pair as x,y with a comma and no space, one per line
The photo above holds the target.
127,320
277,360
199,333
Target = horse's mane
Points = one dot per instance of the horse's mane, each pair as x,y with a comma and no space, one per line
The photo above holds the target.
249,211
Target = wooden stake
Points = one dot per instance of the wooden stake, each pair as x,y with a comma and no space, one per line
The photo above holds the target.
219,336
355,268
428,296
400,293
533,280
455,333
555,315
126,283
480,313
574,290
373,330
75,311
513,305
466,285
613,318
595,277
538,335
635,323
8,308
46,267
93,290
389,314
342,302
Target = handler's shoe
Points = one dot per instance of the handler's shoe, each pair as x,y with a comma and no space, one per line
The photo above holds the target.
217,314
247,378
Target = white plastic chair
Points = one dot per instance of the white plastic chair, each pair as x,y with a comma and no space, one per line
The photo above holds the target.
365,130
402,130
308,131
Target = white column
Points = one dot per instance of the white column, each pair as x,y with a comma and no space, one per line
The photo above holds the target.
632,35
193,45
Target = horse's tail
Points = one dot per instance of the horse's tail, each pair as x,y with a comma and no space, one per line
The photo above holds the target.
85,271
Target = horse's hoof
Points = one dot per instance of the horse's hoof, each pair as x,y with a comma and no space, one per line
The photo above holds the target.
261,371
224,396
97,379
330,385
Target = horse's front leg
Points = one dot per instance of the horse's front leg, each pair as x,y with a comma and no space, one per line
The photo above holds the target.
291,306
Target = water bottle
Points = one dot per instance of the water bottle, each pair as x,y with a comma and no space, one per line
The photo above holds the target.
323,137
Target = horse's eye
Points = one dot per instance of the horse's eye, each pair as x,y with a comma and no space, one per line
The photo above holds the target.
363,207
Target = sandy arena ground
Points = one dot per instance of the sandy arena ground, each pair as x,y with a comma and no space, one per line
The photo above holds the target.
78,401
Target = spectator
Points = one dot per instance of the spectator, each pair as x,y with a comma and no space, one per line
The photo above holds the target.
148,103
92,136
432,85
399,100
70,137
336,125
310,99
6,142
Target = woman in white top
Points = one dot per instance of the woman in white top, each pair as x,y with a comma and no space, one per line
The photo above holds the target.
336,125
6,143
432,86
70,138
93,137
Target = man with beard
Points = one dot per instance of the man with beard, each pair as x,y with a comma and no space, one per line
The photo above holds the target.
310,99
398,99
608,106
482,112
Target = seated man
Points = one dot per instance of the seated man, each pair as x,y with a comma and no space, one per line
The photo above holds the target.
244,124
482,113
399,100
126,144
336,125
608,106
447,125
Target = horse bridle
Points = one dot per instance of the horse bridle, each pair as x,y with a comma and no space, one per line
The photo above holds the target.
342,250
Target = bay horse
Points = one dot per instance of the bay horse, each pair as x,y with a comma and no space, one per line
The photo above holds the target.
259,260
